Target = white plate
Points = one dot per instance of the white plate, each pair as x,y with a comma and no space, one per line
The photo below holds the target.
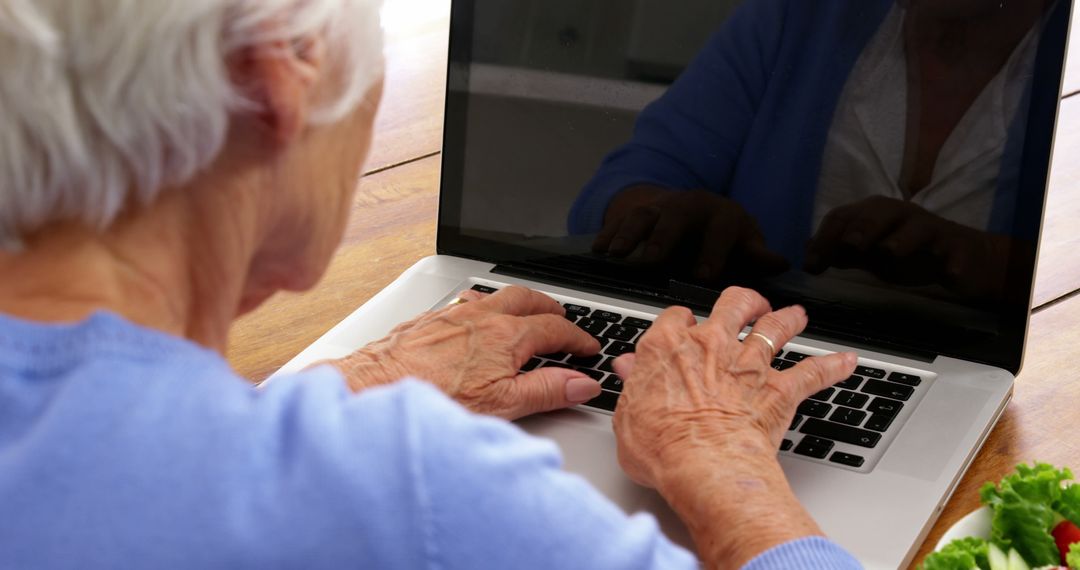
976,523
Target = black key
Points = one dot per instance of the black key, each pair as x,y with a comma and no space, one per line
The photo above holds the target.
603,341
847,459
556,356
531,364
637,323
909,379
619,348
795,422
796,356
592,325
484,289
605,401
621,332
814,409
550,364
586,361
607,316
782,365
571,318
851,399
606,365
871,372
613,383
594,374
576,310
879,422
846,434
848,416
786,445
824,395
814,447
888,389
885,406
851,383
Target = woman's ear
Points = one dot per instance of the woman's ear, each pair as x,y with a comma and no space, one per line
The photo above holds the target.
282,80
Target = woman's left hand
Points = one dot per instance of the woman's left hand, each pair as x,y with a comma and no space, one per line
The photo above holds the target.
473,352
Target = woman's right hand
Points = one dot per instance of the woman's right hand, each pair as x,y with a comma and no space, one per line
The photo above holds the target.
702,415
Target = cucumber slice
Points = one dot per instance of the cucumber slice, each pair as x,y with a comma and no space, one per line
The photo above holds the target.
1016,562
998,559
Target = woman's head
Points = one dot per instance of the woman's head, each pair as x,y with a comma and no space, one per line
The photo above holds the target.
106,105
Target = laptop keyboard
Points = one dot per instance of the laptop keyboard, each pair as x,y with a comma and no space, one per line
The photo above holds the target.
842,425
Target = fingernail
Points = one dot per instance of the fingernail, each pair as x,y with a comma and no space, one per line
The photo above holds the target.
851,359
618,244
581,389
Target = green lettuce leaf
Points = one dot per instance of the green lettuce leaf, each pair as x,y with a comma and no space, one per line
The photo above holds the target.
1025,510
961,554
1068,505
1073,558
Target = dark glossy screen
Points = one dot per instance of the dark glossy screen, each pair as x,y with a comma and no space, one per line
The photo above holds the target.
882,162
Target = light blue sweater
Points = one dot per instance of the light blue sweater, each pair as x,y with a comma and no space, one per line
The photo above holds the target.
121,447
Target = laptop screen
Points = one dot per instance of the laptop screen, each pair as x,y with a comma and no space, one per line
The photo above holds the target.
882,162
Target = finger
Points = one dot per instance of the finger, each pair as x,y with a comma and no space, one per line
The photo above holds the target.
737,307
825,242
603,239
467,296
547,389
716,244
877,219
779,327
633,230
624,365
816,373
674,317
669,229
519,301
547,334
908,238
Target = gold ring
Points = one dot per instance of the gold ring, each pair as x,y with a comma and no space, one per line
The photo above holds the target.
767,341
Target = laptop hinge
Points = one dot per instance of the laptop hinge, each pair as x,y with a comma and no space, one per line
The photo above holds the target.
698,299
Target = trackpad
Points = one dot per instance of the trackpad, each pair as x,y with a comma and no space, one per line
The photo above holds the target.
589,449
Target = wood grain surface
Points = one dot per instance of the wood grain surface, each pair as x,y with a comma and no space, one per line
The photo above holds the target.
393,226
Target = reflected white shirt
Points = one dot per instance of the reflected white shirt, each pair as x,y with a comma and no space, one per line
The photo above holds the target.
863,155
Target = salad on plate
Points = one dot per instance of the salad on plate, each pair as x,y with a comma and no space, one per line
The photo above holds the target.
1035,523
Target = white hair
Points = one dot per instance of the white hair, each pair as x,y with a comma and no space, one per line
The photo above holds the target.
105,102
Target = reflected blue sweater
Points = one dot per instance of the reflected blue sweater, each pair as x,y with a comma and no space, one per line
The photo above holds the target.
749,119
121,447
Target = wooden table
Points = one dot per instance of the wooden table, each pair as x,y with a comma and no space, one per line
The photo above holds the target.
393,226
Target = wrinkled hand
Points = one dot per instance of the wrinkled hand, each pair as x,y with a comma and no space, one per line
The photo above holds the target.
658,220
694,393
903,243
474,350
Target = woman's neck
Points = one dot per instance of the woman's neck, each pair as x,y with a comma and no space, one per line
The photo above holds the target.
180,266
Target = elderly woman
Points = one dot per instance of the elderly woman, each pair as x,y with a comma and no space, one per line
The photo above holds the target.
165,167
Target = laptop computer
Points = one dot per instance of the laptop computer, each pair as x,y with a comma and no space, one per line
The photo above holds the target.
626,156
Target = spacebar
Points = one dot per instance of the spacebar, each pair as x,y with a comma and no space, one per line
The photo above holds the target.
838,432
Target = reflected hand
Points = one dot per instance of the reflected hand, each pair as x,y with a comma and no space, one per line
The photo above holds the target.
474,350
658,219
905,244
